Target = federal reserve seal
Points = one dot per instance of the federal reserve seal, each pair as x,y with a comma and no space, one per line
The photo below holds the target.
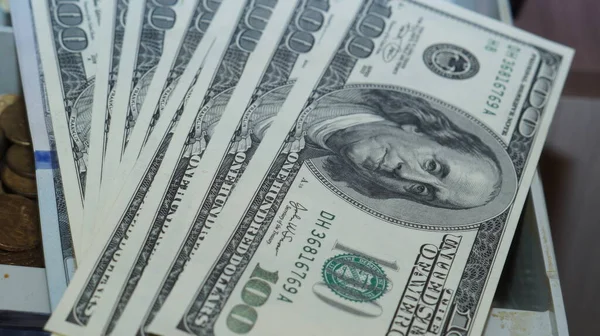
355,278
451,61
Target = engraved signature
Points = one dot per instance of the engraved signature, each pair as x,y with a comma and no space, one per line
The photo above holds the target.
392,49
288,234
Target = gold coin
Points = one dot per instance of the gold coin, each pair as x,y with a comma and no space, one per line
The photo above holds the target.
20,228
18,184
6,100
30,258
20,160
13,121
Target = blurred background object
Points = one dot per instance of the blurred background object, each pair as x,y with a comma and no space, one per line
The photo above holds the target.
20,237
568,168
24,297
516,6
5,5
574,23
570,161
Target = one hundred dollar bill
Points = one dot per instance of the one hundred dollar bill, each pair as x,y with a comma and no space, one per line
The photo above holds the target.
59,256
110,43
153,33
65,34
86,291
198,123
165,80
147,119
280,56
274,66
384,197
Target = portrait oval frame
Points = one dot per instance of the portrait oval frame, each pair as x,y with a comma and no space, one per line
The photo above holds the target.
420,216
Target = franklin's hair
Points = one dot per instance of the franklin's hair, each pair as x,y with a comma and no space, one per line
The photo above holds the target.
406,109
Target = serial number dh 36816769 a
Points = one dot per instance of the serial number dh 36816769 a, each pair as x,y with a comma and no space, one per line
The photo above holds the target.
501,81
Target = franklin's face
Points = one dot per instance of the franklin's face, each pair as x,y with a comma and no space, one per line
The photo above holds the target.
407,162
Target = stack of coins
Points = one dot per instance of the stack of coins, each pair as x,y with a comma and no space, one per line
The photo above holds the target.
20,238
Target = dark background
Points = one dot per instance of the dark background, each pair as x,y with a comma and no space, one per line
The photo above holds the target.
570,163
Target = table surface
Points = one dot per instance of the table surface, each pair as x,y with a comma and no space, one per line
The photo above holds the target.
570,162
569,168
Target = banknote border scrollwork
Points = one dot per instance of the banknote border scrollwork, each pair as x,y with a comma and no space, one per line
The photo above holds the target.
485,248
469,294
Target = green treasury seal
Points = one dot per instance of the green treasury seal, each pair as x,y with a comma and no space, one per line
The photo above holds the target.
355,277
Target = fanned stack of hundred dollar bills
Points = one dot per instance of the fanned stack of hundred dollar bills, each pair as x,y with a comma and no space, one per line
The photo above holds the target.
284,167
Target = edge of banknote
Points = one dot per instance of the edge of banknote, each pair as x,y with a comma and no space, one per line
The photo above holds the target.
492,277
56,235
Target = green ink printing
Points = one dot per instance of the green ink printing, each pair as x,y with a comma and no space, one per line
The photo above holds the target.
355,278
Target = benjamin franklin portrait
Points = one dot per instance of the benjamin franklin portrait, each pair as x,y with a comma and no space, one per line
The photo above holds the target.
401,154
